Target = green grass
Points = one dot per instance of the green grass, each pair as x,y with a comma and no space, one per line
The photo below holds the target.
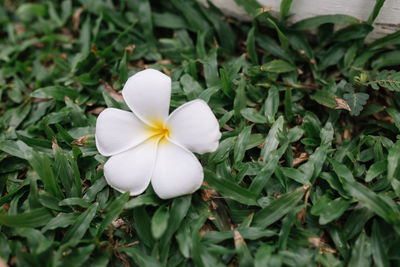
308,168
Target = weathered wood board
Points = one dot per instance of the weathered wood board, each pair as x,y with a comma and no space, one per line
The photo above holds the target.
388,20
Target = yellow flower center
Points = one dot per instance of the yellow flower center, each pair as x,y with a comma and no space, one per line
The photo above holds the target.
159,131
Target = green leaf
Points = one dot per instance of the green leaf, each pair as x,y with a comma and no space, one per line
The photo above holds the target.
278,66
378,247
240,145
281,36
60,221
33,218
143,10
395,114
76,232
224,148
277,208
271,104
178,211
112,210
376,169
264,175
142,224
361,252
191,87
63,170
230,189
350,55
226,35
240,99
296,175
94,189
374,202
352,32
30,10
123,71
252,115
319,20
331,56
325,98
192,15
18,149
377,7
341,170
75,201
252,7
37,242
226,83
329,210
390,58
78,256
288,104
356,101
287,224
142,200
393,162
250,233
55,92
209,92
271,142
389,39
42,165
140,258
386,78
159,222
210,67
4,247
356,221
251,46
168,20
284,8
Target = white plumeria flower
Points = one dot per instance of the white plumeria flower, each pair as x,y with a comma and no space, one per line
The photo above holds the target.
148,145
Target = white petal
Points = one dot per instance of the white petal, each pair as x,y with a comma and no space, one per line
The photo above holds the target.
147,93
131,170
194,126
118,130
176,172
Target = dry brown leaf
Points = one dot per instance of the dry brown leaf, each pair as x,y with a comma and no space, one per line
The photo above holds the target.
54,143
3,263
19,28
123,258
206,228
130,49
37,100
81,141
264,9
341,104
300,159
302,214
66,32
112,92
166,71
227,127
315,241
216,44
238,239
117,223
320,243
96,111
76,18
39,45
208,194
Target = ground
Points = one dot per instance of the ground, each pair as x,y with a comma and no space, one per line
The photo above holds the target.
307,172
